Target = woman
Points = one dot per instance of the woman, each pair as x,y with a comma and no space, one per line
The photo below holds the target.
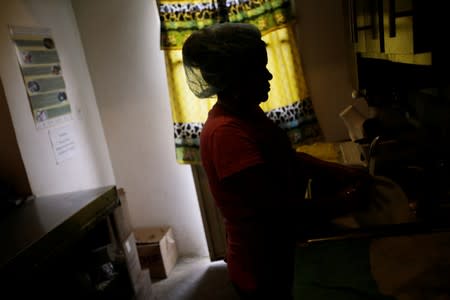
256,177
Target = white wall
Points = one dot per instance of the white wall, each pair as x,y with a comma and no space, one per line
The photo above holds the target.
324,47
121,43
91,166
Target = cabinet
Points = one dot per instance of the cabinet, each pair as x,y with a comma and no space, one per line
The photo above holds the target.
69,246
367,22
395,30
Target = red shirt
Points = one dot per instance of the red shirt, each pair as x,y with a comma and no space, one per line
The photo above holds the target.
230,144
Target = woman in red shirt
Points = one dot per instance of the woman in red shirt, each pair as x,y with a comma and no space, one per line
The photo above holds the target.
256,177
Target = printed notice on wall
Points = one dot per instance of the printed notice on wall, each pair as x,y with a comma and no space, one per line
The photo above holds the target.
42,75
63,143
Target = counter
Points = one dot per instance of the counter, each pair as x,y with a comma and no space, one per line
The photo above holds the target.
41,227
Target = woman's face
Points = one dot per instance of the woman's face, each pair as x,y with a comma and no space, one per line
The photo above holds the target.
252,81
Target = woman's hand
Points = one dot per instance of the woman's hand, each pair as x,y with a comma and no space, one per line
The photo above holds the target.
356,196
336,189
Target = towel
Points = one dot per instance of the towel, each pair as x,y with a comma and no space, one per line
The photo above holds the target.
388,205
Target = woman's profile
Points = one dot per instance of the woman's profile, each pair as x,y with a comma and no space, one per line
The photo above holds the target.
256,177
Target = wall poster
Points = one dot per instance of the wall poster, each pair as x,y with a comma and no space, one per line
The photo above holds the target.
42,75
63,142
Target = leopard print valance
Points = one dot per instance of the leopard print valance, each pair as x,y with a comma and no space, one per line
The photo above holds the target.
179,18
298,120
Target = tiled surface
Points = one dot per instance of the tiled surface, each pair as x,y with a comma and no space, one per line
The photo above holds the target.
400,268
195,279
413,267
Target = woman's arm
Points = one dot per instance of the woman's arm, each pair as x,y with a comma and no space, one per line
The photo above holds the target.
318,169
336,189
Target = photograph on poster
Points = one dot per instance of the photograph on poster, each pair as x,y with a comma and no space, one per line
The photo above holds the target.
42,75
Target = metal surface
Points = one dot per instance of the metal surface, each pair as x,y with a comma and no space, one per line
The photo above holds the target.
47,225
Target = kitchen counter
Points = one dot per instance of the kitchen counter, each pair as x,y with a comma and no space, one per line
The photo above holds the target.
43,226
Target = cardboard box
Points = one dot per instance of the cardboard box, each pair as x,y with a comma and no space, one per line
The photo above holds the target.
132,258
157,250
121,218
143,288
139,278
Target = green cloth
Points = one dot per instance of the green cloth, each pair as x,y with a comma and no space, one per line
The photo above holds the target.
335,270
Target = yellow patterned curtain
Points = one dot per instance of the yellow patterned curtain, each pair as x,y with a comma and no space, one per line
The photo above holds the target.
289,104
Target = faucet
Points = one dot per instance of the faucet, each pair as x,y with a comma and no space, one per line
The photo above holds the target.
372,152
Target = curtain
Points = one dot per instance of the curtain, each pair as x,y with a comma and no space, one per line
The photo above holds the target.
289,104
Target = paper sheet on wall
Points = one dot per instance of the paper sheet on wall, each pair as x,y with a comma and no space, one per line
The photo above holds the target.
42,75
63,142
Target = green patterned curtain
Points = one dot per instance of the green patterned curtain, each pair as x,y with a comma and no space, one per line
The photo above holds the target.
179,18
289,104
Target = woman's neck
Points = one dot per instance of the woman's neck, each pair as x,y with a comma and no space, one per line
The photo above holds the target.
236,106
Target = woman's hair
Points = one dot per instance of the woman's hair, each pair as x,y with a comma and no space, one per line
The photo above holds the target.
216,55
